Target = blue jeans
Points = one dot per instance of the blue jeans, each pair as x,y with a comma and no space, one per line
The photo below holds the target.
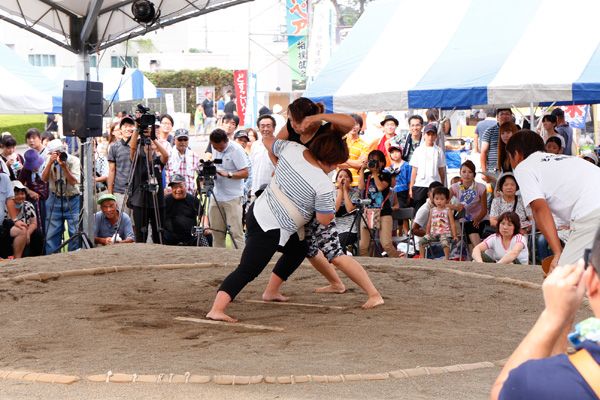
543,249
55,220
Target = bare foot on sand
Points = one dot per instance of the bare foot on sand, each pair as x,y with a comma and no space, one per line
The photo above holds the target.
220,316
274,297
374,301
331,289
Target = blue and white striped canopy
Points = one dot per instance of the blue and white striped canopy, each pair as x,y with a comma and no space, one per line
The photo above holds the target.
410,54
133,85
23,88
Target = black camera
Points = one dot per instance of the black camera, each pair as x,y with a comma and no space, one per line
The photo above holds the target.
62,156
372,163
145,120
207,173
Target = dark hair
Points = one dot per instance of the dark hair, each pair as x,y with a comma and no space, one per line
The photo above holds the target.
442,190
433,114
415,116
526,142
218,136
8,141
266,116
250,130
232,97
434,184
469,164
358,119
513,218
549,117
48,135
346,170
329,147
503,160
303,107
595,254
111,136
555,139
167,116
18,189
231,117
379,155
32,132
503,179
499,110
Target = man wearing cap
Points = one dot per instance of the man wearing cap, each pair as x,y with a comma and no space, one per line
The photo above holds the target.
262,166
183,161
182,211
591,157
427,164
119,164
12,231
62,172
31,177
208,111
106,221
563,129
229,188
26,213
389,138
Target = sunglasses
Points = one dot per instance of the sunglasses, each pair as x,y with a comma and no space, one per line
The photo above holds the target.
182,139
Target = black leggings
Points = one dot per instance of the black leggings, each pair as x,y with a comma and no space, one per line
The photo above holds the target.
260,247
141,218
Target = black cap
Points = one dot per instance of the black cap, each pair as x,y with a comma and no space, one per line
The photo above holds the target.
176,178
126,118
389,118
241,134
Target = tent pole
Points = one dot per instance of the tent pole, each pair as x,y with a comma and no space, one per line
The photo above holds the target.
532,118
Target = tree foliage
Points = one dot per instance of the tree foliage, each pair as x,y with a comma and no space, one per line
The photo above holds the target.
190,79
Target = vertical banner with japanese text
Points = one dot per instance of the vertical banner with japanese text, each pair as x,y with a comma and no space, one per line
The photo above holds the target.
297,30
241,90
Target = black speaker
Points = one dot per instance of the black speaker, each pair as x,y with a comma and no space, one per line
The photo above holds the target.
82,109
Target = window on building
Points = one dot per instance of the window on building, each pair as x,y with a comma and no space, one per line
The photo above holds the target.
93,61
42,60
120,62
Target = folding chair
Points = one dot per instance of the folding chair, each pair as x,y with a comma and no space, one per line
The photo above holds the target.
401,214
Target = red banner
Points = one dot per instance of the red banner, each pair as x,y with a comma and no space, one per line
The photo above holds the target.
241,93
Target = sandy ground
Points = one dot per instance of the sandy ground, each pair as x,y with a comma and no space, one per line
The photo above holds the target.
125,323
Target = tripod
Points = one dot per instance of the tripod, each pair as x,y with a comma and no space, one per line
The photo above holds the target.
360,214
149,186
205,185
79,234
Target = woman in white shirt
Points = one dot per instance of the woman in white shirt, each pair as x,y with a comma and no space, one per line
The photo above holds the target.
506,246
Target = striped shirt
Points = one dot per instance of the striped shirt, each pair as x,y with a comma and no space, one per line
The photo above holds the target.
491,136
357,149
307,186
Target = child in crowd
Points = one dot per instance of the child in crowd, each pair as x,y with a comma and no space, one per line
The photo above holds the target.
555,145
507,245
440,227
401,170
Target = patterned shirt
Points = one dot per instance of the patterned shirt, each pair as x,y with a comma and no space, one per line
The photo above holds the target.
357,148
500,206
26,213
440,222
491,136
185,165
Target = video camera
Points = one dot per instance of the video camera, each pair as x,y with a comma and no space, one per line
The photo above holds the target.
145,120
207,173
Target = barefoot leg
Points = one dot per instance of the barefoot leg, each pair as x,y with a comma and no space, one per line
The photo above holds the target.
272,291
353,270
217,312
328,271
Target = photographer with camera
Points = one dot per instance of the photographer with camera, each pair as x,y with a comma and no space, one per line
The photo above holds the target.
534,371
147,196
229,189
62,172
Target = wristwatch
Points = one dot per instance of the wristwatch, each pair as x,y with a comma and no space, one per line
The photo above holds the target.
230,175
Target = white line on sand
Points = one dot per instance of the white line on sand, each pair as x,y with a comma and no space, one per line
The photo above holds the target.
232,324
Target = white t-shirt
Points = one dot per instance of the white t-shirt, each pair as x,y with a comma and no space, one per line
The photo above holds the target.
428,160
568,184
495,244
304,184
234,159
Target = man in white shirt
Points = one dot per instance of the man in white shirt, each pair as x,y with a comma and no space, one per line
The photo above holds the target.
547,184
262,166
229,189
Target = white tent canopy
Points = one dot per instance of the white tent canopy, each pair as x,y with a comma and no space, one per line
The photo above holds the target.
409,54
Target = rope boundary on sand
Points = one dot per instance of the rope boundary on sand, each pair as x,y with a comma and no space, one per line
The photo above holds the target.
40,377
234,380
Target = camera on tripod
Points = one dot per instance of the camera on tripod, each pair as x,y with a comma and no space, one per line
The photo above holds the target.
146,120
207,173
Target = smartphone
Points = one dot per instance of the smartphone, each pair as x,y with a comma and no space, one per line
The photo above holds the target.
586,257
